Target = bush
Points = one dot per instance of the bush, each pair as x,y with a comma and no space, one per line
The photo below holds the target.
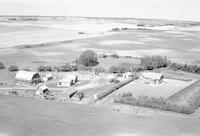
13,68
65,68
152,62
99,69
115,56
1,65
103,56
81,33
88,58
84,68
117,69
115,29
114,81
140,25
155,103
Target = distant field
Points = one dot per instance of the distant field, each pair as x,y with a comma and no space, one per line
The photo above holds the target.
53,42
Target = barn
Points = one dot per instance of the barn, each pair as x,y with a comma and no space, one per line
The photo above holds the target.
27,77
152,77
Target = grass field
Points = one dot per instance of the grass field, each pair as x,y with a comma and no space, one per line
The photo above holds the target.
25,116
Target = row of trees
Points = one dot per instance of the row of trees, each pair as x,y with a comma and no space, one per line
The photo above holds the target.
186,67
153,62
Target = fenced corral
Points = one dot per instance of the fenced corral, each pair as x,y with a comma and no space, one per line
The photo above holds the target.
108,91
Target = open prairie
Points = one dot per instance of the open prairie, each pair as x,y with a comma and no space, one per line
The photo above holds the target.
51,41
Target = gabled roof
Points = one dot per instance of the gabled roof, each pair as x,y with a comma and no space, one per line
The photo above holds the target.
152,75
25,75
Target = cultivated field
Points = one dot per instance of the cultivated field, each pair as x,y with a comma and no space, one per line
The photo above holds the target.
50,41
57,42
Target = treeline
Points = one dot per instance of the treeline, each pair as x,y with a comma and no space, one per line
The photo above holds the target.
186,67
153,62
147,63
155,103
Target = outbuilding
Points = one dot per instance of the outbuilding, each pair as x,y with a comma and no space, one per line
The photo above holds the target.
42,90
27,77
152,77
127,75
68,81
47,77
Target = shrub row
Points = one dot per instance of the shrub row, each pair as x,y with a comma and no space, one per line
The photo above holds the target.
112,55
68,68
126,67
44,68
185,67
156,103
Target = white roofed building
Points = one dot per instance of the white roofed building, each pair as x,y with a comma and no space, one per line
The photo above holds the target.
68,81
27,77
152,77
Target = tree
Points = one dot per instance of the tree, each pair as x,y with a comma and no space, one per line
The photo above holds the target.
88,58
13,68
1,65
115,56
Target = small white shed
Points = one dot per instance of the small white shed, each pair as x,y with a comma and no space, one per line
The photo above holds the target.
127,75
41,90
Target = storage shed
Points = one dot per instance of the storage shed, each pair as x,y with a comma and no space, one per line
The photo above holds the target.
152,77
68,81
127,75
27,77
42,90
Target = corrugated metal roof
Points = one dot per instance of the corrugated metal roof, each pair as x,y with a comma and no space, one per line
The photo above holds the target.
25,75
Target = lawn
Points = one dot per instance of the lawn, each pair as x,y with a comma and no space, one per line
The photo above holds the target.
166,89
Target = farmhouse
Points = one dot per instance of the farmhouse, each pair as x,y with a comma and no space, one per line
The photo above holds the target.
151,77
68,81
27,77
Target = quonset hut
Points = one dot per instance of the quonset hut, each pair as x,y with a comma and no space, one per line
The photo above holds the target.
27,77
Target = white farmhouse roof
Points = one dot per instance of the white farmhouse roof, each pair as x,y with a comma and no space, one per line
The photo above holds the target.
152,75
25,75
